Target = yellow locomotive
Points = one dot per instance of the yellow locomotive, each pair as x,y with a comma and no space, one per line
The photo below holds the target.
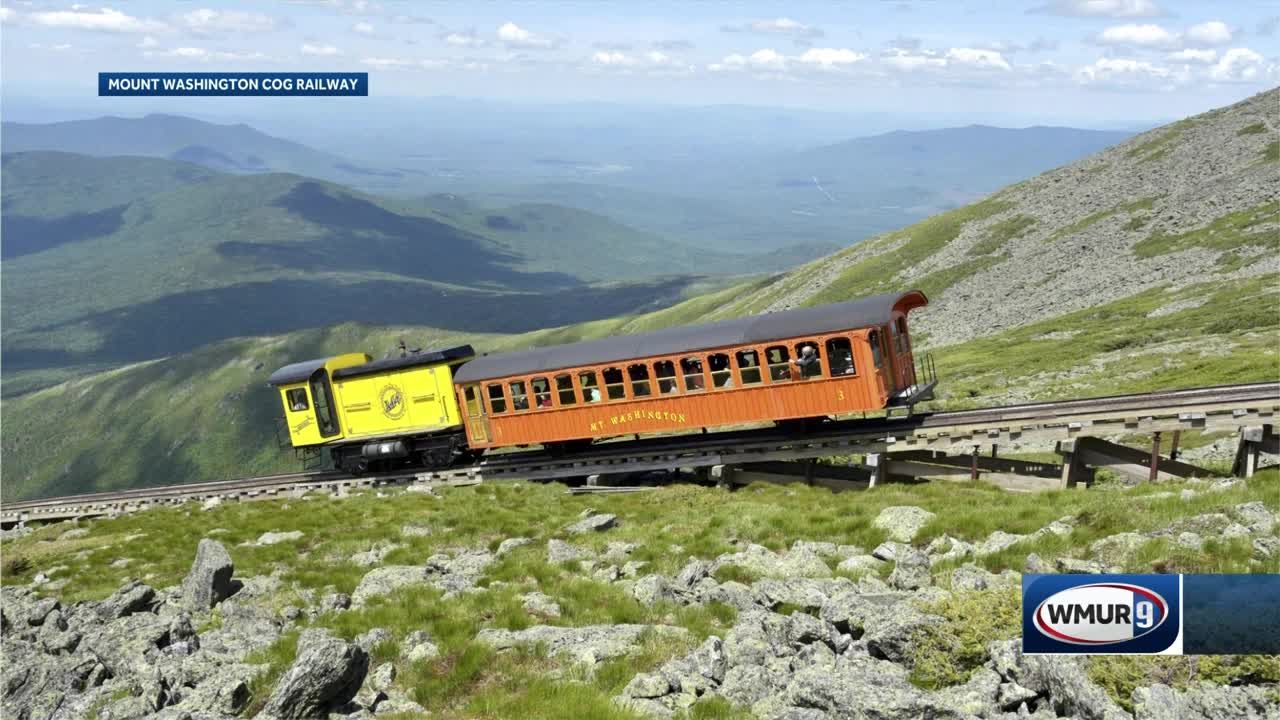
376,414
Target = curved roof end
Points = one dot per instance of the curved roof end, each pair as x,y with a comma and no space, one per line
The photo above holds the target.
910,300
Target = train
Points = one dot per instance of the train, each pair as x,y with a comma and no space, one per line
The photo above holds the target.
440,408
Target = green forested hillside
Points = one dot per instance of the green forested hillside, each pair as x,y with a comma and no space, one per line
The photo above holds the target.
116,260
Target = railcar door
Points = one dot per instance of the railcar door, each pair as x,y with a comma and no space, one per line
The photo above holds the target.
882,364
477,421
322,395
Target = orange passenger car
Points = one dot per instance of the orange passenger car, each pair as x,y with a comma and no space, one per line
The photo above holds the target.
798,364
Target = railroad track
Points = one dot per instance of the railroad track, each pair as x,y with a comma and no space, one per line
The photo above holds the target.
1226,407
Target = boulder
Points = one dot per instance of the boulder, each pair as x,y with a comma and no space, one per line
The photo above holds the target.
457,572
903,522
383,580
510,544
1256,517
132,597
417,646
861,564
761,561
327,673
559,551
209,580
1064,679
997,541
593,523
540,604
890,550
1205,701
275,538
1116,550
911,572
588,644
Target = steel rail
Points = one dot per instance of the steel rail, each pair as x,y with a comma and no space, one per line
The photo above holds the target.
1241,401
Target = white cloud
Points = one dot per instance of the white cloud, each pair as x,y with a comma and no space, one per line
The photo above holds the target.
1122,71
514,36
464,38
766,59
206,21
984,59
613,59
205,55
104,20
385,63
1239,64
320,50
1194,56
1214,32
148,42
6,14
1137,36
899,59
363,28
777,26
831,57
1101,8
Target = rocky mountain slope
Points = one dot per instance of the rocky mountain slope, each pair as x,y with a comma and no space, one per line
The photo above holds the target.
515,600
1188,203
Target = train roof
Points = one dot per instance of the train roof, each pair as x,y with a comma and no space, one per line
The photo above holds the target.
432,357
876,310
297,372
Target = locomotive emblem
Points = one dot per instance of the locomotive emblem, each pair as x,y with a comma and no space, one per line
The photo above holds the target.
392,401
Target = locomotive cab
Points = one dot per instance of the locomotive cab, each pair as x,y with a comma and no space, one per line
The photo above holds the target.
306,393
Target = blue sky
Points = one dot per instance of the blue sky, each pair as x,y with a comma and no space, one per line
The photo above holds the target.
1107,60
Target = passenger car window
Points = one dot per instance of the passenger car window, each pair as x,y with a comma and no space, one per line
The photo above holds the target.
639,380
665,371
721,376
779,363
840,353
749,366
519,400
497,400
694,381
810,363
590,391
614,386
298,400
564,388
541,392
874,340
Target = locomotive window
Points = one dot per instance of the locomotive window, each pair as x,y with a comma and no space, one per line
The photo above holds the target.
473,401
519,399
590,391
749,367
564,388
813,369
497,401
298,400
614,386
665,371
639,380
721,376
541,392
324,409
691,367
874,340
840,350
779,363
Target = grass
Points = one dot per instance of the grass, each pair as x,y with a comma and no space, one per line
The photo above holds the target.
1162,144
1225,233
669,525
1088,221
1001,233
1253,129
904,249
948,653
1117,347
1271,153
1120,675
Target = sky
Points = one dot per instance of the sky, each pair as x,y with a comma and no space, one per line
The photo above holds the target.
1088,62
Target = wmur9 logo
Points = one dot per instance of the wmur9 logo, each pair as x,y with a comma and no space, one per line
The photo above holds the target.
1101,614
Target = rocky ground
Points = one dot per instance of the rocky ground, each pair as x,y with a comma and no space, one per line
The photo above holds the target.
818,629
